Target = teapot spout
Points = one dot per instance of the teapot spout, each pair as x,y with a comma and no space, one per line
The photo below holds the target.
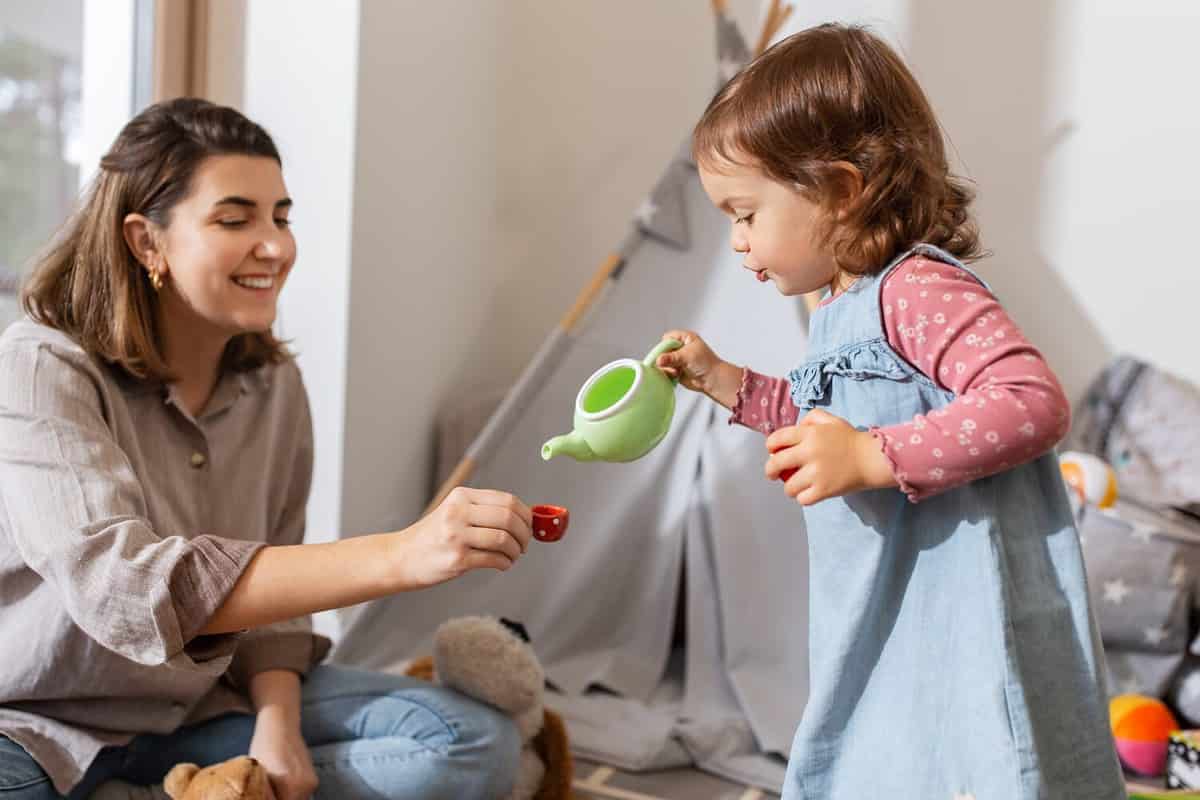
570,444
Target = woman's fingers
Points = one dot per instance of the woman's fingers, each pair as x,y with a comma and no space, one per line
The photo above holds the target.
494,540
505,518
487,559
494,497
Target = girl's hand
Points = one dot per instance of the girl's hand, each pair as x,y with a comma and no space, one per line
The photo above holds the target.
279,747
700,369
471,529
831,458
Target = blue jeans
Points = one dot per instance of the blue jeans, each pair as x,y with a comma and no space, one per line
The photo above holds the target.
371,735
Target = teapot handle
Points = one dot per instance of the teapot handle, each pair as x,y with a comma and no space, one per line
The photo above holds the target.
665,346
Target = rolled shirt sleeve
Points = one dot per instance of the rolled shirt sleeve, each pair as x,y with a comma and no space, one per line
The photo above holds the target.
77,516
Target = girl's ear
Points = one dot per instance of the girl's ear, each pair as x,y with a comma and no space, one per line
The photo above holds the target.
142,237
844,188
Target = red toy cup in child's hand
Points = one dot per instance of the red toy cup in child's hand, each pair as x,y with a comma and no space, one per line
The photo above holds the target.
790,471
549,522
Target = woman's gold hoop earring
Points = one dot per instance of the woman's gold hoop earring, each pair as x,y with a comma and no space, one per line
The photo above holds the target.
156,280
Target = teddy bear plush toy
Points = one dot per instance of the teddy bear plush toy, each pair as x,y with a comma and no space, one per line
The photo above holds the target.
490,659
240,778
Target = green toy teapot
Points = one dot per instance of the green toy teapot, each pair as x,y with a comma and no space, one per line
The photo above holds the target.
623,410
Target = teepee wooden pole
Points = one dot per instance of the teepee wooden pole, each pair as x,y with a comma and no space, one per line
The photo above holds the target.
466,467
460,475
777,15
590,292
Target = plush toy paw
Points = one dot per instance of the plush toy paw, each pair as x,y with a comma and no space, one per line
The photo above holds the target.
240,778
491,660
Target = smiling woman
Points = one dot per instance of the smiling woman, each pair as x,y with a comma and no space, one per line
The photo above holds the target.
154,474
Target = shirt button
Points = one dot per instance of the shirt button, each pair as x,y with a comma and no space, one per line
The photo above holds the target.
199,460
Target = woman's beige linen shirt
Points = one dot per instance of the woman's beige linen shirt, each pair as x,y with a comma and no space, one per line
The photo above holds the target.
124,523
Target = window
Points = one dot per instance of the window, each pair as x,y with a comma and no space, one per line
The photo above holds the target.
41,54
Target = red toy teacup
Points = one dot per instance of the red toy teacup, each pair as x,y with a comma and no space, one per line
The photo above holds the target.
549,522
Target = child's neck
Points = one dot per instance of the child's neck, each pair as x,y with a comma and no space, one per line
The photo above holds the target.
842,281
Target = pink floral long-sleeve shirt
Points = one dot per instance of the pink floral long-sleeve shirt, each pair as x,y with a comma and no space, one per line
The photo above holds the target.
1008,408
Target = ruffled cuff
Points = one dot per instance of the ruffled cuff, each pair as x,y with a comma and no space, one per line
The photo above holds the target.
737,413
886,443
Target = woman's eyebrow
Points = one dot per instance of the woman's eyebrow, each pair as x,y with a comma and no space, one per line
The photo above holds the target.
236,200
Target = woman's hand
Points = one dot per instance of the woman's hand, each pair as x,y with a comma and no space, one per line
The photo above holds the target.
831,458
279,747
277,743
700,369
471,529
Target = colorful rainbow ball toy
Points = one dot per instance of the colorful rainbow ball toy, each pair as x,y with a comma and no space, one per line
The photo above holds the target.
1141,726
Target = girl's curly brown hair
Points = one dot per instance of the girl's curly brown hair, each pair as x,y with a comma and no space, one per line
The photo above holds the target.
838,93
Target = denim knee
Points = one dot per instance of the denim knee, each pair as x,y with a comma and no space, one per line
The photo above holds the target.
20,776
497,742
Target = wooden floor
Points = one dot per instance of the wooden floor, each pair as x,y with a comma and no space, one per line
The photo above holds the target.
598,782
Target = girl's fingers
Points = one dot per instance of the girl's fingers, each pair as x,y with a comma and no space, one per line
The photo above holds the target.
785,437
668,361
780,462
799,482
808,497
686,337
819,416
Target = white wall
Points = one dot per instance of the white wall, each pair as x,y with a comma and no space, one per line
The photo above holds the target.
1118,202
424,256
308,103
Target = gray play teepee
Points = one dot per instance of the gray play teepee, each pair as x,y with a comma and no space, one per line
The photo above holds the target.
694,520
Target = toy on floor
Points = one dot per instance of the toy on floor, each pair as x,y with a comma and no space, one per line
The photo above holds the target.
1142,727
622,412
1090,478
491,660
240,778
550,522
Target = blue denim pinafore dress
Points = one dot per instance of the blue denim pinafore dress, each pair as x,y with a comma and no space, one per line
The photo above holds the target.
953,653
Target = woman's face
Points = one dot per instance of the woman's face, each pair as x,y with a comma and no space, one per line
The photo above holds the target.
227,248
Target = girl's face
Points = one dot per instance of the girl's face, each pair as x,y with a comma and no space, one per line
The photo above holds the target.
774,227
227,248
